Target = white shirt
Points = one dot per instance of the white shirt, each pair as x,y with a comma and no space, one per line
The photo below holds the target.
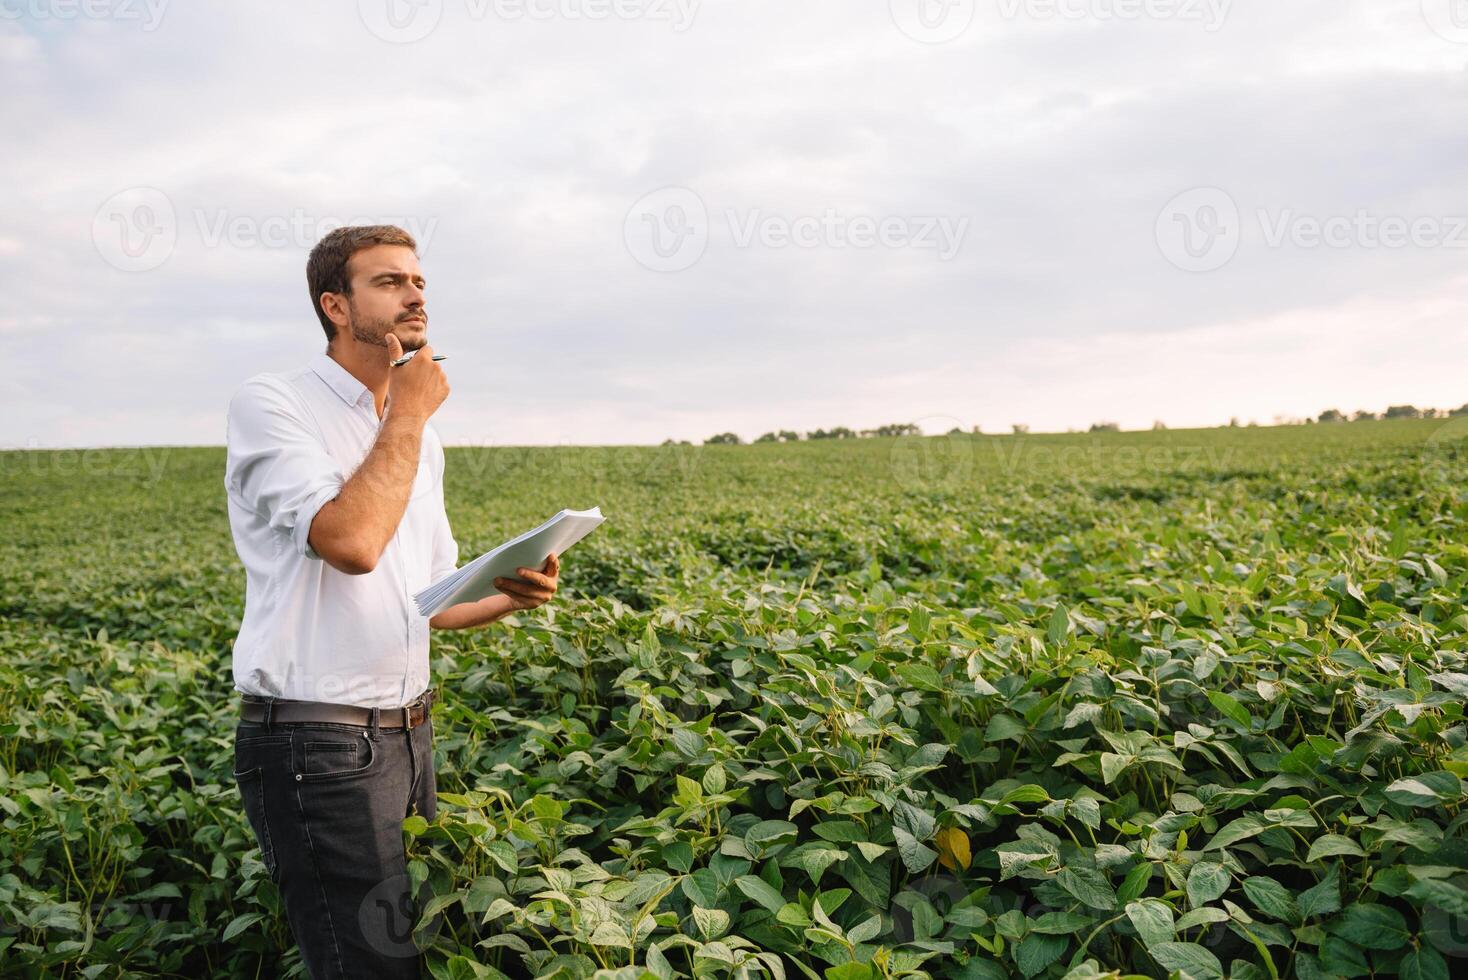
310,632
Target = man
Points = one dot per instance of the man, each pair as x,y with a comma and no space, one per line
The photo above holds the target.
334,481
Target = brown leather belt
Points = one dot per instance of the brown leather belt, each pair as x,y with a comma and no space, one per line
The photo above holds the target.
283,712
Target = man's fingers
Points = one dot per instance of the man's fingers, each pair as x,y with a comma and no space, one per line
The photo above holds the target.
394,347
552,564
532,576
522,588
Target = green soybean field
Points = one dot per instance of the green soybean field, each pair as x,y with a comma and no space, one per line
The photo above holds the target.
1184,703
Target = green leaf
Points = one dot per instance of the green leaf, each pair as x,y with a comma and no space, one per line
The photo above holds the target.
866,929
1037,951
1371,926
791,914
1271,898
1060,923
240,924
1028,793
1236,830
767,834
679,856
915,856
1424,963
761,893
1088,885
1428,789
1439,896
1135,882
689,793
813,858
502,852
714,779
1059,626
1332,845
921,677
1152,918
1200,917
918,622
1191,958
1230,707
1338,957
850,971
1206,882
1322,898
1113,765
712,923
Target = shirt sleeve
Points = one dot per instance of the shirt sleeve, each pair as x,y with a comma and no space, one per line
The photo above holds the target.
275,465
445,548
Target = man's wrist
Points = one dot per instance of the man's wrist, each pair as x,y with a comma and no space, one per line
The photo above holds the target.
405,417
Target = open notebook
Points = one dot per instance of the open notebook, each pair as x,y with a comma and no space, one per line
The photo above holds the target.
475,580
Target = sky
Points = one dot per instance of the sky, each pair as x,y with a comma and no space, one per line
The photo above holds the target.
651,219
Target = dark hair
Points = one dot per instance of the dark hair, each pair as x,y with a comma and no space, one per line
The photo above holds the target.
326,269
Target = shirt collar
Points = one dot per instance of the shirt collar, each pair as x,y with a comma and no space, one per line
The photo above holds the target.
338,378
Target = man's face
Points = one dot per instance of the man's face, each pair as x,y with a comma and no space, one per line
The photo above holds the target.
387,297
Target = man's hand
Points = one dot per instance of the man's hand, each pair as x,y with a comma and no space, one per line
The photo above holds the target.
416,389
532,588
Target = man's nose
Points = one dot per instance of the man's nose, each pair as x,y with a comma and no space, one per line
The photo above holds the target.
414,298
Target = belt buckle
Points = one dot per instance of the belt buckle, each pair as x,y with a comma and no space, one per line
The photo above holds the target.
408,717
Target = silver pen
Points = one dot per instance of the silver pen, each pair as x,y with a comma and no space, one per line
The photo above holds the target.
409,356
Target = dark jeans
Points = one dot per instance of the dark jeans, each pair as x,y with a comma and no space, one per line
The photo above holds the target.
327,804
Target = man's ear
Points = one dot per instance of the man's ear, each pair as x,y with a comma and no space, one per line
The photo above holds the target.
334,305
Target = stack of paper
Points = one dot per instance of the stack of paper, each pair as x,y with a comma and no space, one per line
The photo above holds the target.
475,580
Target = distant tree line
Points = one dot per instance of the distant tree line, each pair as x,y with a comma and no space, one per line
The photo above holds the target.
839,432
1393,412
908,429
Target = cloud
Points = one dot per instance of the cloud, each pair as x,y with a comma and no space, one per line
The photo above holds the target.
517,145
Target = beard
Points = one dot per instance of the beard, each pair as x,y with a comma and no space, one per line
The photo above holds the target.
374,330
